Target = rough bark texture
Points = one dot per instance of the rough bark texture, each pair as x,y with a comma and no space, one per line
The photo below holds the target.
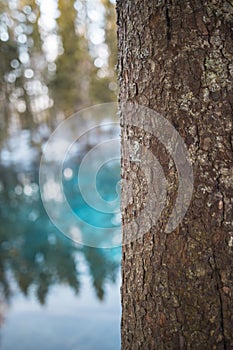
176,57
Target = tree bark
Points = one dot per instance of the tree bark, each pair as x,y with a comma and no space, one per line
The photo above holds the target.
175,57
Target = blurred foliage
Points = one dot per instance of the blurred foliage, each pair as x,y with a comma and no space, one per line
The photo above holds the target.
105,88
69,84
35,89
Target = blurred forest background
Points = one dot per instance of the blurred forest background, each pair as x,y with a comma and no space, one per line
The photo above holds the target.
56,57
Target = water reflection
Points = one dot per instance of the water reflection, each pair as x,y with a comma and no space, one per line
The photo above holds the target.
35,257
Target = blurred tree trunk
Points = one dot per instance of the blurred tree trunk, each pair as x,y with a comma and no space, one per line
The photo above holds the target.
175,57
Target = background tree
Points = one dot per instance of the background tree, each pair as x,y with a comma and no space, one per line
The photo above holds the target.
22,72
103,86
71,82
8,52
176,58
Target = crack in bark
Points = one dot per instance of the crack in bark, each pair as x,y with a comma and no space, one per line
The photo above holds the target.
168,19
222,199
218,281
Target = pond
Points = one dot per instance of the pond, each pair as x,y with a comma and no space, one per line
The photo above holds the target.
55,293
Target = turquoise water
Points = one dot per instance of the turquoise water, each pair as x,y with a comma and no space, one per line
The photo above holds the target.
55,294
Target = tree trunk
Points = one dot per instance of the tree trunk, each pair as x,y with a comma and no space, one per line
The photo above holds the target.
175,57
